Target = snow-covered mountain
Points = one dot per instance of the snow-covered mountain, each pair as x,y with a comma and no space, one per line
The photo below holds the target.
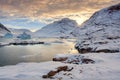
3,30
101,33
61,28
19,31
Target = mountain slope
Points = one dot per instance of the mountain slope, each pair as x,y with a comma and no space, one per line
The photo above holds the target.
101,33
19,31
3,30
60,28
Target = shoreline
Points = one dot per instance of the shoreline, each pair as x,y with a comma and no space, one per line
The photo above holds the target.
104,66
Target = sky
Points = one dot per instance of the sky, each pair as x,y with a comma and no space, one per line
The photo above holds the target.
34,14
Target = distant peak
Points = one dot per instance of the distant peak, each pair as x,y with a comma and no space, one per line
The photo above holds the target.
66,20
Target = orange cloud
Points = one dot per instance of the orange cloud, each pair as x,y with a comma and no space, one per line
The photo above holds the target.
50,10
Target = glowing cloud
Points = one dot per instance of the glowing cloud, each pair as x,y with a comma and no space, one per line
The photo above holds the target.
49,10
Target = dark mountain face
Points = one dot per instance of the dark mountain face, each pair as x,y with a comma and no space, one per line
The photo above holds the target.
114,8
2,27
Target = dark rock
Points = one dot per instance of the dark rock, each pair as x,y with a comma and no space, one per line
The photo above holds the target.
111,38
62,68
60,59
45,76
77,59
86,61
101,42
51,73
84,50
59,69
88,50
70,69
107,51
114,8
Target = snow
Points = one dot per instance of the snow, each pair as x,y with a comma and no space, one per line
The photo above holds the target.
106,67
16,32
61,28
101,31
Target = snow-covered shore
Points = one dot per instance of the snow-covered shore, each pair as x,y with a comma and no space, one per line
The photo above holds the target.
4,44
106,67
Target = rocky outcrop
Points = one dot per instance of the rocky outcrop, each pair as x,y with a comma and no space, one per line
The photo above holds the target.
60,59
74,59
114,8
52,73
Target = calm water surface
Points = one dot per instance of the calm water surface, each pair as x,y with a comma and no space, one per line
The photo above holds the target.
10,55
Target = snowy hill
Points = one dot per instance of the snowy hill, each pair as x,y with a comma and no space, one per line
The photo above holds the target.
19,31
3,30
101,33
61,28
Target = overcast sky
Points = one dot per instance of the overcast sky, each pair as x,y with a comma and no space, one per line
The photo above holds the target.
34,14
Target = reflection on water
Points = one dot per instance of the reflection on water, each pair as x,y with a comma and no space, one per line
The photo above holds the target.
10,55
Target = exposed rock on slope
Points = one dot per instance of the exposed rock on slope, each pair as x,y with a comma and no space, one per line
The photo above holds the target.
62,28
73,59
101,33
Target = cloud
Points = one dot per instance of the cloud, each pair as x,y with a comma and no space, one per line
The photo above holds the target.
49,10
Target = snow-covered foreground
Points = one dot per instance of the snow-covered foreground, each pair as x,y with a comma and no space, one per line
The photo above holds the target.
106,67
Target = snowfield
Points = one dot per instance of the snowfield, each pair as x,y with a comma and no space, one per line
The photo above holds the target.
106,67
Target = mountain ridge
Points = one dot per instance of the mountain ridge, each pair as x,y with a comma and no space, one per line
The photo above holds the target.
61,28
100,33
19,31
3,30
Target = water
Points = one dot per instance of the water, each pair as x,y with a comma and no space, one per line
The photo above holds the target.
10,55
